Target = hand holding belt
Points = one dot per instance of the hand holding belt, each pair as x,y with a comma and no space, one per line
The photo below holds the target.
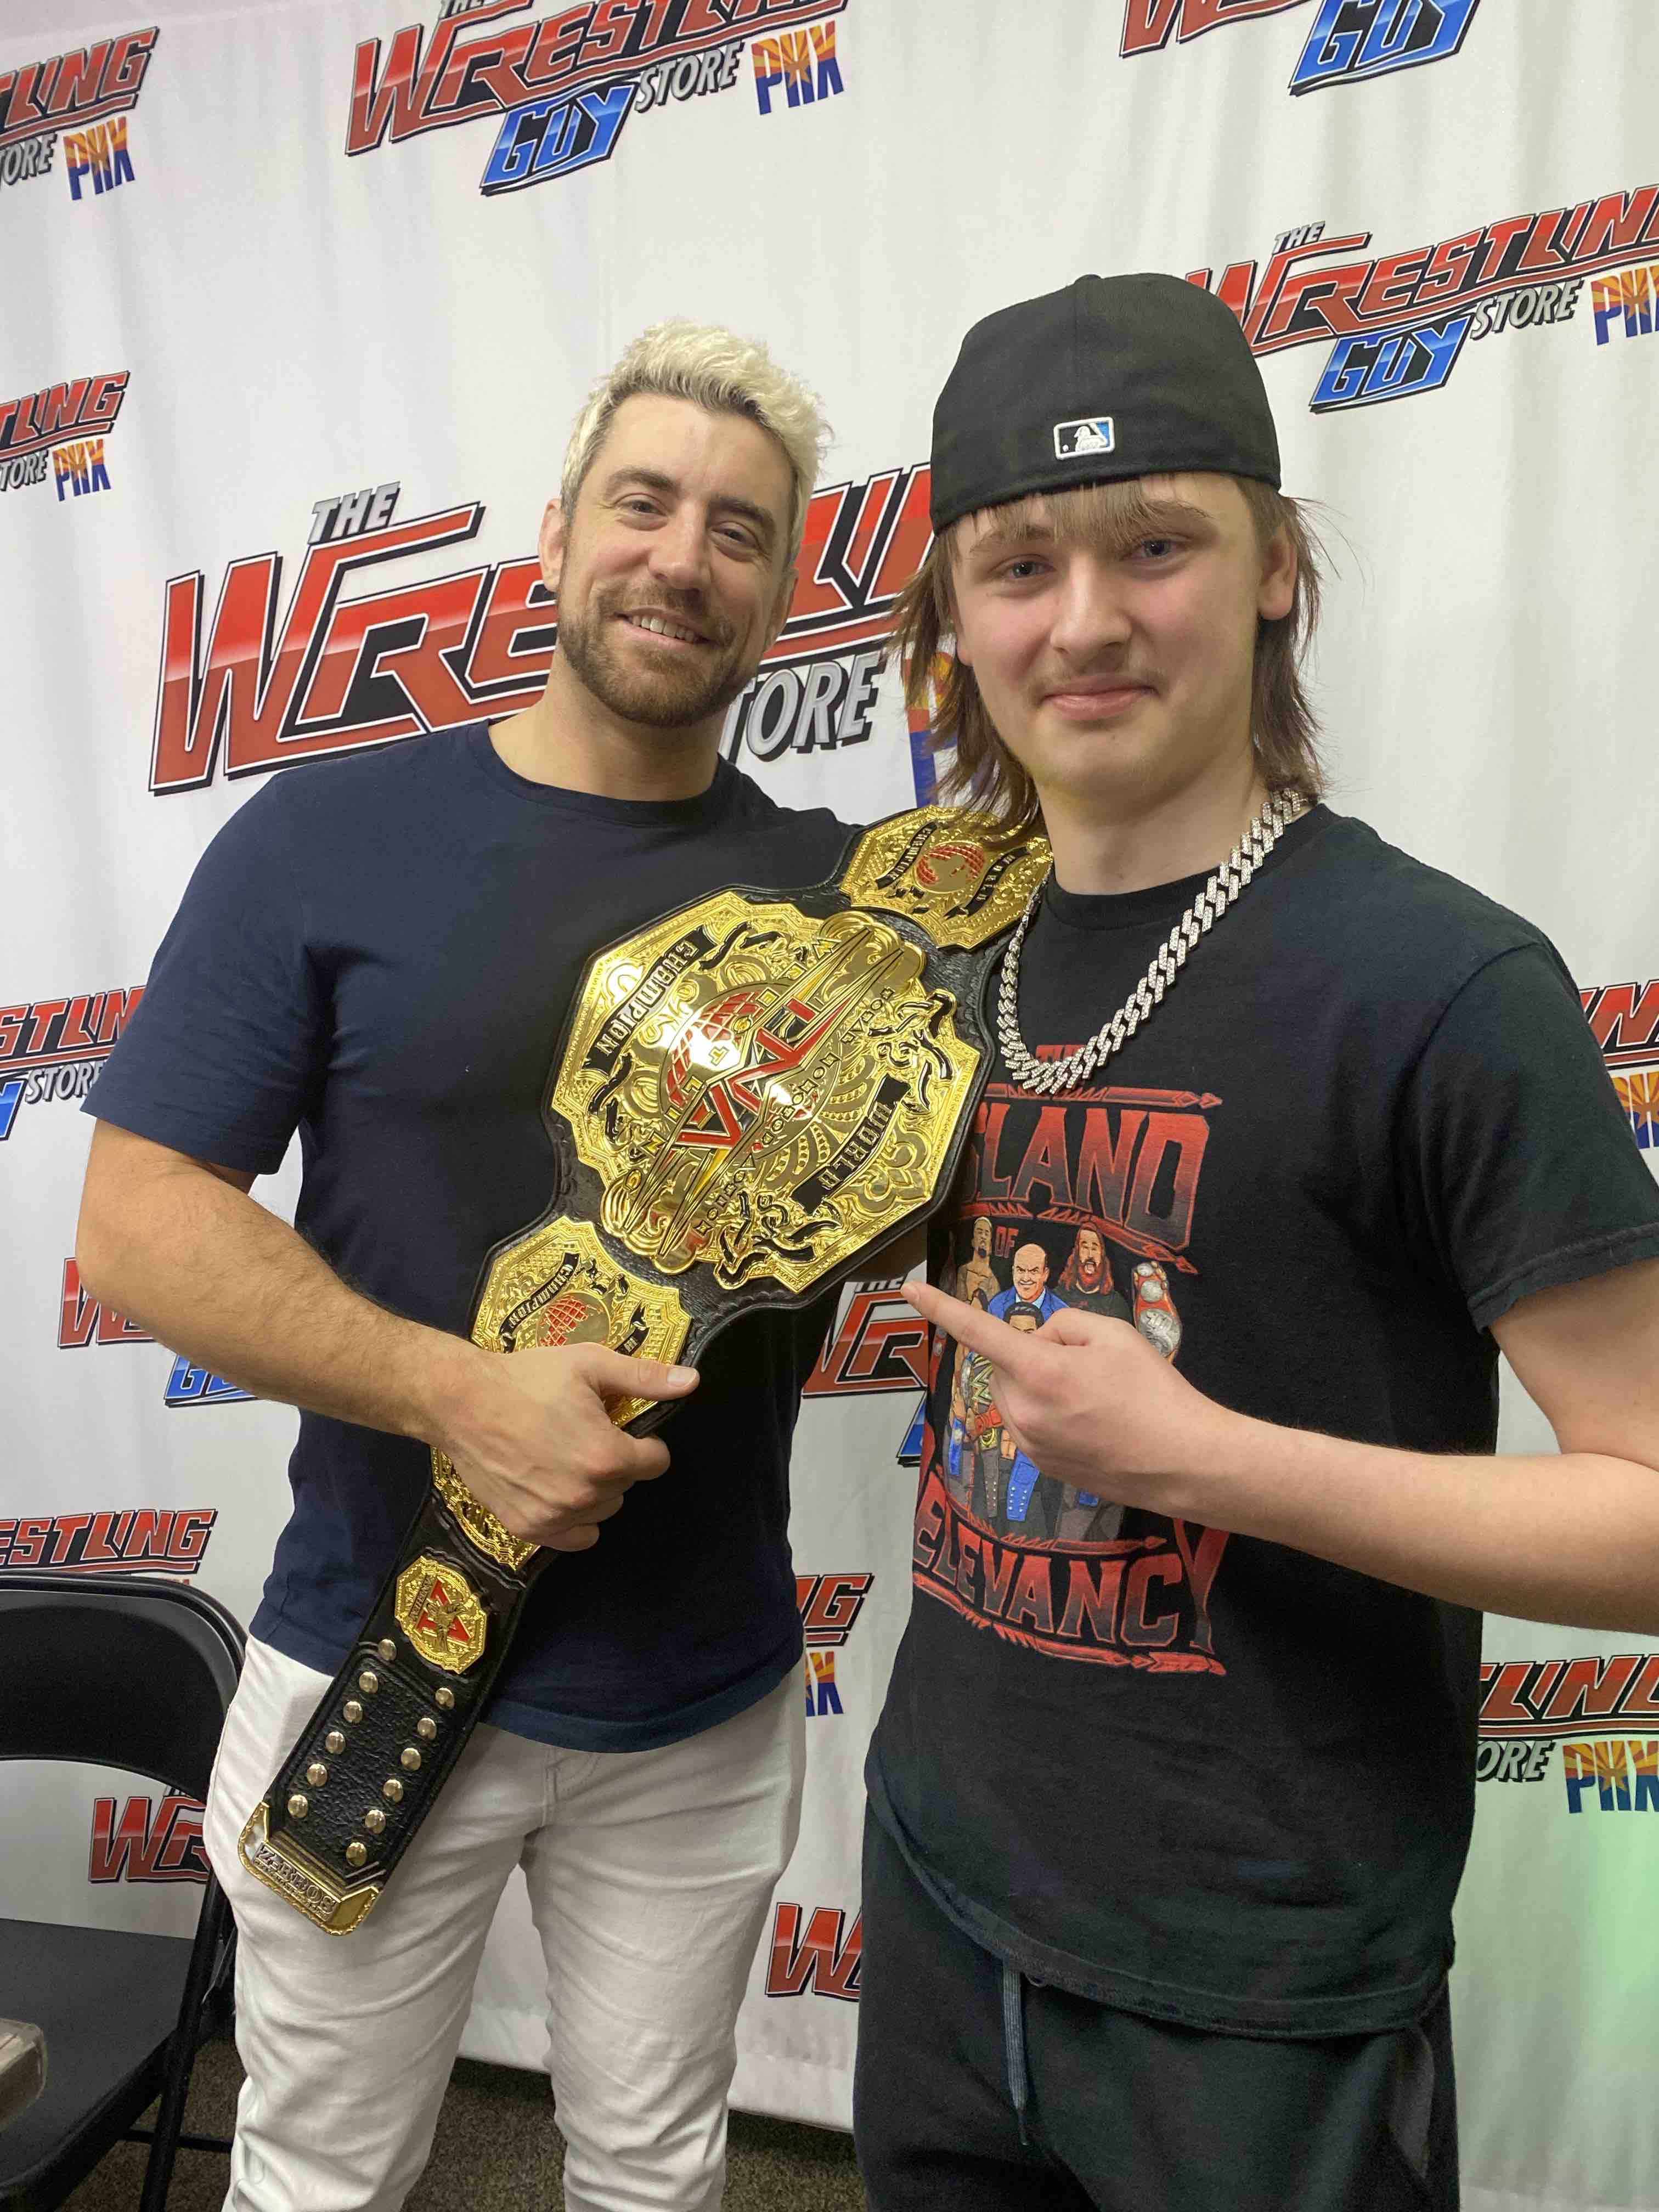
748,1096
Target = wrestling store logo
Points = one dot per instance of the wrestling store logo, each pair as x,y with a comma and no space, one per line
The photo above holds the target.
1397,323
561,87
1624,1019
814,1954
274,684
144,1842
1349,41
802,61
1602,1713
1622,306
878,1343
82,1321
59,432
190,1385
82,95
50,1049
830,1606
148,1540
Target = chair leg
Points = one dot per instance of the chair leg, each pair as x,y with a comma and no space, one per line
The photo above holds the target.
211,1930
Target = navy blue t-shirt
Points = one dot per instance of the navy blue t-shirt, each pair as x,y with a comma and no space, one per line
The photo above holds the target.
379,953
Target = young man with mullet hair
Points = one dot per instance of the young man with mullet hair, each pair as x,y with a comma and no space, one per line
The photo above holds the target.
380,953
1170,1806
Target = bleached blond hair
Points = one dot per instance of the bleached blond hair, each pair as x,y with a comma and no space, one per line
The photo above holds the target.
714,368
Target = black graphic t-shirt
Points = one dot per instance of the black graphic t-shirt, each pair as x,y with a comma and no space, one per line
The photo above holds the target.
379,953
1203,1777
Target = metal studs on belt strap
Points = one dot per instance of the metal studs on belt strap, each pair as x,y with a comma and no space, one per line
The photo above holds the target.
445,1697
375,1820
299,1805
387,1649
352,1710
334,1741
368,1681
392,1791
316,1774
409,1760
355,1854
426,1728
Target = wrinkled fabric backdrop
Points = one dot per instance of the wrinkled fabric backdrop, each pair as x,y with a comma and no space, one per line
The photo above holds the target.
297,303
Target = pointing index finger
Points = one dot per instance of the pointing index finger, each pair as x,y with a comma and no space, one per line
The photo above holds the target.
970,1325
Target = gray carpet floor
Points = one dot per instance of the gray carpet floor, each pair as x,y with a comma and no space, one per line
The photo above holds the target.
497,2150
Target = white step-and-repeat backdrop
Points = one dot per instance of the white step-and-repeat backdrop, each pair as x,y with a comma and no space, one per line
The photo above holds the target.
298,299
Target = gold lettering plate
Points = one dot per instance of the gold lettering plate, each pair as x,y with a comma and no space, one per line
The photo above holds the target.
762,1090
557,1285
335,1907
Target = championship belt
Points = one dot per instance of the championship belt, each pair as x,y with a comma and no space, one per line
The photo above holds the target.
749,1097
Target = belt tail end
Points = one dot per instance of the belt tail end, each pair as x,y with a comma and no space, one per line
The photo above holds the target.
308,1887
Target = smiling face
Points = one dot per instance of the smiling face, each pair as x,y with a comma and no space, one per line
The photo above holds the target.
1112,632
1031,1271
670,573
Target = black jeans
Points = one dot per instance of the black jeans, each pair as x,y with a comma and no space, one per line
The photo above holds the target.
978,2091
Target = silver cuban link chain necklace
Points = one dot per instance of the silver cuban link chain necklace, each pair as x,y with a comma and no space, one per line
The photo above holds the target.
1282,808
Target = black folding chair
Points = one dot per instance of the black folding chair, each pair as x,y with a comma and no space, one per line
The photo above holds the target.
134,1672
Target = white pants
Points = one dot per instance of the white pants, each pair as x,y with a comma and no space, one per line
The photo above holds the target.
649,1875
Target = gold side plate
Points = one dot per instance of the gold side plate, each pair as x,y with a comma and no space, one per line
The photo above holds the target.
300,1881
761,1090
439,1612
962,875
557,1285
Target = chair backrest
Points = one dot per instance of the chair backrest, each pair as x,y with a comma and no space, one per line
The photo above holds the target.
116,1670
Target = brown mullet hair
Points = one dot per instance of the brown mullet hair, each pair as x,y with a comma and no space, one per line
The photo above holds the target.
1284,729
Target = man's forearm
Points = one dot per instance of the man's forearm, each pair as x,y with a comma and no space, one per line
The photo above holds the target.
215,1274
1570,1537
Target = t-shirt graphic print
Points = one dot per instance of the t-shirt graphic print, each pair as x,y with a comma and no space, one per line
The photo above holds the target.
1086,1201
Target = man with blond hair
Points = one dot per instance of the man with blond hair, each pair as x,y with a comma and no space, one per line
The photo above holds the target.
380,954
1168,1810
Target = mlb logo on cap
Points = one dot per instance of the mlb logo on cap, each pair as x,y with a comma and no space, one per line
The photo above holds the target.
1091,435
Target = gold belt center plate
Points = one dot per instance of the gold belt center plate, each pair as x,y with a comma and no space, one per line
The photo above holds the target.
762,1091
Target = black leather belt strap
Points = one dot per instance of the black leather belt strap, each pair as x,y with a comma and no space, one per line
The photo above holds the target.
390,1725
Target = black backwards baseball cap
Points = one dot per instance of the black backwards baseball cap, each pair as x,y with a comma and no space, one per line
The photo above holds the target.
1114,377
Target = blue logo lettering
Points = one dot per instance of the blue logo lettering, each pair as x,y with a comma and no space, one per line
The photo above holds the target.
1363,370
1353,39
909,1452
548,138
188,1385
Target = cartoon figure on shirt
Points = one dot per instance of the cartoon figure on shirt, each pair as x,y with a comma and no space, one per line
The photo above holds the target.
1024,1473
1086,1278
972,1413
974,1459
1030,1285
975,1282
1012,1483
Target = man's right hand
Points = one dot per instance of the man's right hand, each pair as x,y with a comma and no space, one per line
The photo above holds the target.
530,1435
